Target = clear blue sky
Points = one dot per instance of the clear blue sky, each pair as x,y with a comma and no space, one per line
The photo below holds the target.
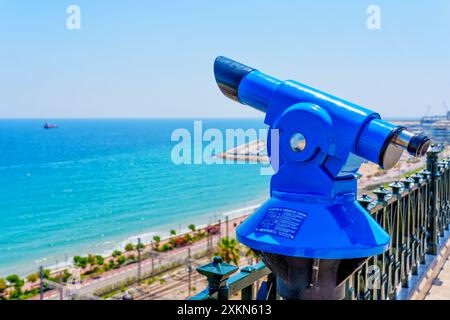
154,58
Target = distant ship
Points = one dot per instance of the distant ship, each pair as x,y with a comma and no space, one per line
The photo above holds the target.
50,126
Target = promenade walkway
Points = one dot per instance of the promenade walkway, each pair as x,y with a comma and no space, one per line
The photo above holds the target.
121,275
440,289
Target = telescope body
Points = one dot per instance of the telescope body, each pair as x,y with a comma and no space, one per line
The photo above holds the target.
320,144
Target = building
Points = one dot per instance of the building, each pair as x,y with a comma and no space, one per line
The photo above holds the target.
440,131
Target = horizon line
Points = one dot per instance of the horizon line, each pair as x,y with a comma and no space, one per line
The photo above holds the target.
162,118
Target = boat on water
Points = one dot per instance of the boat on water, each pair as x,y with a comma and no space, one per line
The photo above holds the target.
50,126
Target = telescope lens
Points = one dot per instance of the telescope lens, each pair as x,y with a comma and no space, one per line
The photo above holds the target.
228,74
298,142
418,145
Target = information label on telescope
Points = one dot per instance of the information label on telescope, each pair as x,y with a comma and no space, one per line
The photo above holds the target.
281,222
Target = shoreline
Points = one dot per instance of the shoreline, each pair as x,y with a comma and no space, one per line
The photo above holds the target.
23,269
54,263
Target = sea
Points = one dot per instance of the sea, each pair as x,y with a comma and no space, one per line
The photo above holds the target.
93,185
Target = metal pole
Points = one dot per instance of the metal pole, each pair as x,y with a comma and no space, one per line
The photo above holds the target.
139,260
153,266
209,243
61,288
189,270
436,208
432,158
226,219
41,283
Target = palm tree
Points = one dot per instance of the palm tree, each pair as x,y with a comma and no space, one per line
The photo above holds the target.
33,277
229,249
173,232
157,240
16,282
250,255
3,287
91,259
191,227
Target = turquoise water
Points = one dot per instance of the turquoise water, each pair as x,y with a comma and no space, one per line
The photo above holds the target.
92,185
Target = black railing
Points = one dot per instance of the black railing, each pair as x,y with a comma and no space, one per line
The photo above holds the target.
414,211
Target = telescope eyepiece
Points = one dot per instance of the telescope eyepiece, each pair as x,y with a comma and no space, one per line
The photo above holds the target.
416,144
382,142
228,74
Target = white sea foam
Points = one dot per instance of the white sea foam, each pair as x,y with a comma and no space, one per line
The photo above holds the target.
105,248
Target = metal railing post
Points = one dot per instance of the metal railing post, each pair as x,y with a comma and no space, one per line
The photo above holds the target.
415,212
217,274
248,293
41,283
387,258
139,260
432,167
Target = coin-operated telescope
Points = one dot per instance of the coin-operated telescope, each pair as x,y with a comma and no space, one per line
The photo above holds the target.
312,232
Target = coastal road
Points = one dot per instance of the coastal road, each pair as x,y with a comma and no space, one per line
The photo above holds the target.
126,273
116,277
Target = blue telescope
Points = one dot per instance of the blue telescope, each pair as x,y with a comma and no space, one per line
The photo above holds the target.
316,144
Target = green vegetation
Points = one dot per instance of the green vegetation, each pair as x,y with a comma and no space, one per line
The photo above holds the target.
188,238
60,277
92,260
180,241
46,274
33,277
15,280
100,260
140,246
65,275
92,265
17,283
249,253
165,247
96,265
157,240
229,249
121,260
80,262
116,253
110,294
28,294
3,287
